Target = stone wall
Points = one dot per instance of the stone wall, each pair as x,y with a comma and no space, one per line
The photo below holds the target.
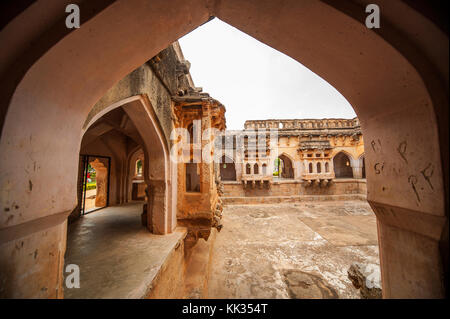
159,79
296,188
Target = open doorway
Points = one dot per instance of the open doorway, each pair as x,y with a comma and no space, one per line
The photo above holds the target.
342,167
95,186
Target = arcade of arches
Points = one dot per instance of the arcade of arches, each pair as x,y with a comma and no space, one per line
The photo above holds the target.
100,94
308,157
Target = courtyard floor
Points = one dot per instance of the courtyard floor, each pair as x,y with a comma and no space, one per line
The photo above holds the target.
297,250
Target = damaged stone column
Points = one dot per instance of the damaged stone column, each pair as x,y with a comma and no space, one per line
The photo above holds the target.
153,210
356,167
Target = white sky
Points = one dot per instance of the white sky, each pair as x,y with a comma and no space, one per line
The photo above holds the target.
254,81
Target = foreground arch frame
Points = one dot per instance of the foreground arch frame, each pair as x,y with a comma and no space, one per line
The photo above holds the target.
395,78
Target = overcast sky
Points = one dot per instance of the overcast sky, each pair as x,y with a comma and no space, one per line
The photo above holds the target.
254,81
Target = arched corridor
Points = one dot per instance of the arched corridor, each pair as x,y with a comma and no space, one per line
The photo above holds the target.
122,176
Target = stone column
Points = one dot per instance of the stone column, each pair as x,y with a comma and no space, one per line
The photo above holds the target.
156,206
238,166
332,166
411,250
101,175
356,167
297,169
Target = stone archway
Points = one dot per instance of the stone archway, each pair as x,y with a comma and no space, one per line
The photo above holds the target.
160,210
288,167
133,178
227,169
396,79
342,166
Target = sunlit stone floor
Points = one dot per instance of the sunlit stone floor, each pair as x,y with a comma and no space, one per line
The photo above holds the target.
297,250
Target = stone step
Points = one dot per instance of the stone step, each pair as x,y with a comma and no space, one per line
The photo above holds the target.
229,200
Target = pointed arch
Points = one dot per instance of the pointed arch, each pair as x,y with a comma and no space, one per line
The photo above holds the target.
287,167
342,165
407,73
227,169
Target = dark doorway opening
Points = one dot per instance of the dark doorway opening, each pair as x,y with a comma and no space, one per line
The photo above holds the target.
227,169
342,167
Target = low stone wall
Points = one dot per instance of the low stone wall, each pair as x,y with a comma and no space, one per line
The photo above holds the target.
169,282
297,188
255,200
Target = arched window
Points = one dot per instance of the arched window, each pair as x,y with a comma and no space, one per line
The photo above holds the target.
319,167
310,168
138,171
327,167
255,169
264,169
248,169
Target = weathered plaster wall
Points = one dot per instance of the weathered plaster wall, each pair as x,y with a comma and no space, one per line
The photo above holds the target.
39,265
159,78
141,81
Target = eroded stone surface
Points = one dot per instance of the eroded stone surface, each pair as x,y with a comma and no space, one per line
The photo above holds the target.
260,243
367,279
304,285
